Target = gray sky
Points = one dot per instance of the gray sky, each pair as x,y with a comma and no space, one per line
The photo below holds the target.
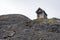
28,7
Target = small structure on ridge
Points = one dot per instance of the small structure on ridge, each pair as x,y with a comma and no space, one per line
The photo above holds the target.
41,13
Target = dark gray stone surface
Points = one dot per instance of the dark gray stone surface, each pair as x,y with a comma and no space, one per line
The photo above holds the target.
19,27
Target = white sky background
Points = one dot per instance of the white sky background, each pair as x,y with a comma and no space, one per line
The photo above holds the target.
28,7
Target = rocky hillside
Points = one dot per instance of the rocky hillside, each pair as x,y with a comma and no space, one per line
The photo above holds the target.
20,27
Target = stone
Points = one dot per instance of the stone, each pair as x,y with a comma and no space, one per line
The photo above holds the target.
20,27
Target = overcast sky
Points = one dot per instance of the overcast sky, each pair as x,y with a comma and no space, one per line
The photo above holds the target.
28,7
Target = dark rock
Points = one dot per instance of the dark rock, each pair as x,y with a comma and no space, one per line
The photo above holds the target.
19,27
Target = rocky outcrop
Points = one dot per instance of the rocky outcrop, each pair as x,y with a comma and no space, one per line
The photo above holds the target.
19,27
11,25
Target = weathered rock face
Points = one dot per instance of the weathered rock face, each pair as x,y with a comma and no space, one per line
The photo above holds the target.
11,25
19,27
